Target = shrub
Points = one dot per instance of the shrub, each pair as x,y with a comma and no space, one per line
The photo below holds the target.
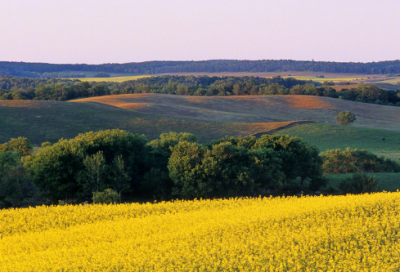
359,184
345,118
108,196
336,161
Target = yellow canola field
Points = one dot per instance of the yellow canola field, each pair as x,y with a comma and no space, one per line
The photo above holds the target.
341,233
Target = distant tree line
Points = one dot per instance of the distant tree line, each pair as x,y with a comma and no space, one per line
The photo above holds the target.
64,89
209,66
173,166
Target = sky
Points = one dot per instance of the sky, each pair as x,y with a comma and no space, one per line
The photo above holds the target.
121,31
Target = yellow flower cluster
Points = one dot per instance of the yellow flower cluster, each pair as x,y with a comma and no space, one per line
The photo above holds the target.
340,233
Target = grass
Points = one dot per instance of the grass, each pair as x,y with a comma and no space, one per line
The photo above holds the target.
256,109
327,136
42,121
208,118
110,79
391,81
334,79
389,182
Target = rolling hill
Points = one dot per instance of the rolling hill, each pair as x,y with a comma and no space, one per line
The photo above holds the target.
255,109
42,121
209,118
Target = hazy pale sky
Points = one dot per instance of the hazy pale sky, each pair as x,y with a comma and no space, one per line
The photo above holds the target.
120,31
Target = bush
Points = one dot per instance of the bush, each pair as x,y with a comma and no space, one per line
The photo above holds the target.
359,184
345,118
350,160
102,74
108,196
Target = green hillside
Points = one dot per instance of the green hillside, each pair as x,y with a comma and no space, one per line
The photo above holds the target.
41,121
327,136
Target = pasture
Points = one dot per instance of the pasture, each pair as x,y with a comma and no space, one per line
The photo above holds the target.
255,109
389,182
334,233
209,118
110,79
41,121
327,136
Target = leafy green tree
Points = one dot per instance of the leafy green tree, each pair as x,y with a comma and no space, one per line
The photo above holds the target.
120,178
95,170
20,144
350,160
157,182
186,172
59,170
299,160
15,186
345,118
224,169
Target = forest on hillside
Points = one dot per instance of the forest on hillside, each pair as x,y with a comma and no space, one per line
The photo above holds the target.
210,66
13,88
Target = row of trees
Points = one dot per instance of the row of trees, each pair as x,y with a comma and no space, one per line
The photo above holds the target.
210,66
189,85
173,166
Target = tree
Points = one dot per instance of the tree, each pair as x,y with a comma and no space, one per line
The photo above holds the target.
20,144
94,173
15,186
299,160
350,160
61,170
345,118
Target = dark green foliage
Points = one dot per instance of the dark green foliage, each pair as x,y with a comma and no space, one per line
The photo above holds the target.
345,118
243,166
211,66
15,186
355,161
61,89
75,168
157,181
299,160
108,196
102,74
359,184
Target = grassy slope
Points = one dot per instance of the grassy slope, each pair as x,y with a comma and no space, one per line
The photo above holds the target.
389,182
110,79
327,136
250,109
42,121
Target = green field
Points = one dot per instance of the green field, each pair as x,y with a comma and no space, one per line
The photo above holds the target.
208,118
393,81
327,136
41,121
389,182
110,79
334,79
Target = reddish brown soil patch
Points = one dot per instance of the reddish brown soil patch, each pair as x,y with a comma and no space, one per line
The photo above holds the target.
308,102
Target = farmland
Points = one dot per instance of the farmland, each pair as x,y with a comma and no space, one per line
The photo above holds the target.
255,109
42,121
245,234
110,79
388,182
327,136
